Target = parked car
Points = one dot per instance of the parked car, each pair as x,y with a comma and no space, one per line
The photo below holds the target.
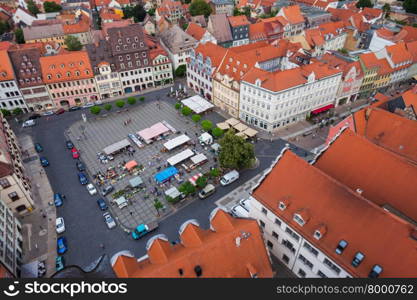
88,105
69,144
98,102
29,123
83,178
109,220
102,204
207,191
59,111
91,189
107,190
245,203
48,113
229,177
38,147
60,225
80,166
74,108
34,117
75,153
59,263
44,161
239,211
61,245
58,200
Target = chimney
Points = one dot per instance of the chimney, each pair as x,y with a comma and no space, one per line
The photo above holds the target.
237,240
359,191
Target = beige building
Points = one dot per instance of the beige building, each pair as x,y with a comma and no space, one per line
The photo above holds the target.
14,185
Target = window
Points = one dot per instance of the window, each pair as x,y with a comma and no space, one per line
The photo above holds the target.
4,182
262,223
321,274
305,261
359,256
264,211
278,222
317,235
286,259
341,247
288,245
301,273
13,196
275,235
310,249
331,266
282,206
376,270
292,234
269,244
297,218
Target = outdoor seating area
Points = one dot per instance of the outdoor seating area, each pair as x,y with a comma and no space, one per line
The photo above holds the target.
241,129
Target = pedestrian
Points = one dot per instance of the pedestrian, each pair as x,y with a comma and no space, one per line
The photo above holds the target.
131,213
102,246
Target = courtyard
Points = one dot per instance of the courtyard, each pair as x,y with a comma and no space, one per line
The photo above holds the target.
98,132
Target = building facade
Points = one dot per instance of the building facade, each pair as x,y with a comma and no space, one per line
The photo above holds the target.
69,78
240,30
222,7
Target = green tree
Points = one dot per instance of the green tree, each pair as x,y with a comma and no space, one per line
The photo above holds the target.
137,12
4,27
131,100
107,106
186,111
215,172
120,103
142,98
95,110
180,71
200,7
20,38
33,8
387,9
187,188
177,105
245,12
236,152
151,12
201,181
206,125
50,6
364,3
196,118
184,26
410,6
5,112
17,111
73,43
217,132
158,205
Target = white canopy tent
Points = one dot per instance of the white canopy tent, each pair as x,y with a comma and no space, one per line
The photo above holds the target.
197,104
116,147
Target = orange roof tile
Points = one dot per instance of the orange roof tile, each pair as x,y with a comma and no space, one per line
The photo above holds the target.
293,14
399,53
383,238
412,49
6,68
214,51
238,21
232,248
196,31
371,13
341,14
72,65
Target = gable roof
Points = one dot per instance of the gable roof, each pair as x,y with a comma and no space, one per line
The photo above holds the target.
6,68
214,51
196,31
220,28
293,14
238,21
384,239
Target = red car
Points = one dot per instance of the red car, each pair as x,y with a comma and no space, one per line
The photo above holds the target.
60,111
75,153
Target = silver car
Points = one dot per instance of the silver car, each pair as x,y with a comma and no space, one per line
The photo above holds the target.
109,220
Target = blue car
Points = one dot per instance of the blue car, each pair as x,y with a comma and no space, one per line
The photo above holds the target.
102,204
38,147
61,245
83,178
58,200
44,161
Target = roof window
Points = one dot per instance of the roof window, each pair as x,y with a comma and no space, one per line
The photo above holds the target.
297,218
375,272
341,247
357,259
282,206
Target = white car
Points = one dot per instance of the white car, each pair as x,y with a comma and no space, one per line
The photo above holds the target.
239,211
48,113
91,189
29,123
60,225
87,105
245,203
109,220
98,102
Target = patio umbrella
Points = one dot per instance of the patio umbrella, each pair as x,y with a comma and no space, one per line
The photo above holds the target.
172,89
176,93
185,90
179,86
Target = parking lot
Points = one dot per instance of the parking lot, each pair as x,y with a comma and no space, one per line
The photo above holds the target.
97,133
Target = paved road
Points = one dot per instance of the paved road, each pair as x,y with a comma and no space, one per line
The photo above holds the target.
85,228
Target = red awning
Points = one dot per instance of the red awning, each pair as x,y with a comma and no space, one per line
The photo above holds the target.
324,108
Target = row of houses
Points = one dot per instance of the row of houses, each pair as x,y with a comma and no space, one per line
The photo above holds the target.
34,77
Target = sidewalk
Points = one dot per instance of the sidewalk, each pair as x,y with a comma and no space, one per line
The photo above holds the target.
39,227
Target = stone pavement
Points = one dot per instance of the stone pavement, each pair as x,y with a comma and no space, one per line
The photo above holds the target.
103,131
39,227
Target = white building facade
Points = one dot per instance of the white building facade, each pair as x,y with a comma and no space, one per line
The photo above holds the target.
10,96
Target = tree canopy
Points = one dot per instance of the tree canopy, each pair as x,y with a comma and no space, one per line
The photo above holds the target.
4,27
200,7
50,6
33,8
180,71
73,43
236,152
410,6
137,12
20,38
364,3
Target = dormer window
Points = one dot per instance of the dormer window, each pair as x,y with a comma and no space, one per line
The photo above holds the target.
62,65
375,272
128,40
317,235
68,74
119,41
299,219
117,48
357,259
81,63
58,75
77,73
49,76
282,206
341,247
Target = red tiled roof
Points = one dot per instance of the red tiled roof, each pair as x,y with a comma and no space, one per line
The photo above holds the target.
372,13
214,51
399,53
65,67
238,21
196,31
383,238
233,248
293,14
6,68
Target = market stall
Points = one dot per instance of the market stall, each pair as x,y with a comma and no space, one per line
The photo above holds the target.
197,104
176,142
250,132
176,159
223,125
193,179
232,121
240,127
135,181
153,132
116,147
166,174
130,165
